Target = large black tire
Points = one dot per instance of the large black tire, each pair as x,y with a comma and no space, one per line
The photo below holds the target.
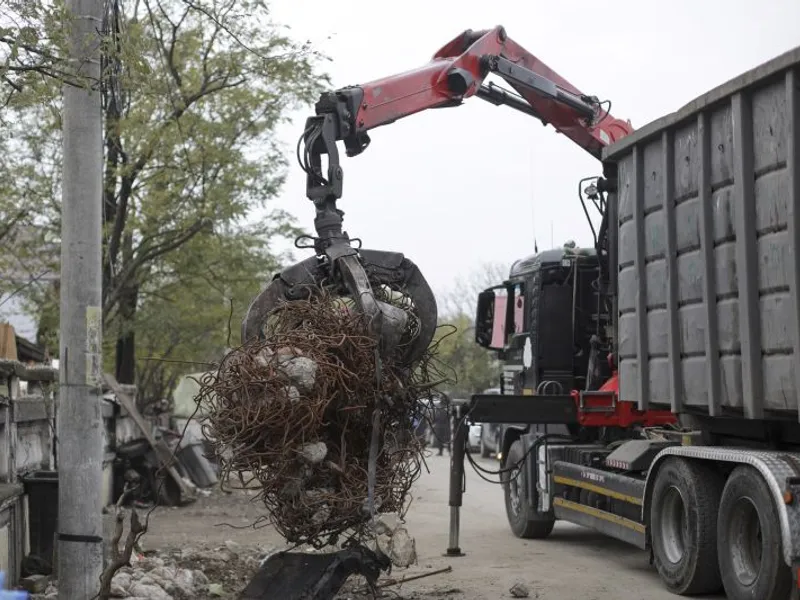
749,540
524,521
683,526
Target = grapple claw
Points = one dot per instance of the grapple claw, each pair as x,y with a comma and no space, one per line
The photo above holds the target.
356,276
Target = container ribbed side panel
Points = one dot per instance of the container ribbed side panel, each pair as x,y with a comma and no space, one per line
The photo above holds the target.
707,214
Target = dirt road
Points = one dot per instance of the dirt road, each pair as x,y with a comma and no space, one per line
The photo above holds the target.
572,563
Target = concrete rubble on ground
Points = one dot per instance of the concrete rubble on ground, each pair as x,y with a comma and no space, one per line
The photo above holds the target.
393,540
220,572
186,574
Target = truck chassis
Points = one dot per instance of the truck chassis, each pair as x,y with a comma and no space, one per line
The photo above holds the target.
705,513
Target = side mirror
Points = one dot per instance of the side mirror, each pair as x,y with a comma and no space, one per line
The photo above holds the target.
490,320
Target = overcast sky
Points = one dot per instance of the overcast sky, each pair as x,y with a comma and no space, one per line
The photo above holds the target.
458,187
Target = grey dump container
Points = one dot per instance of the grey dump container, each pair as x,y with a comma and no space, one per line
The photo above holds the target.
708,227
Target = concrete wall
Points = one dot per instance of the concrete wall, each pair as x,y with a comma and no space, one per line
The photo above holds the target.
27,444
28,412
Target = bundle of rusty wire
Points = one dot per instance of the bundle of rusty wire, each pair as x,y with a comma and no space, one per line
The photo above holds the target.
295,413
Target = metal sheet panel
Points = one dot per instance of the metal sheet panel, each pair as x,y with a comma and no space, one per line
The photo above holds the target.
708,228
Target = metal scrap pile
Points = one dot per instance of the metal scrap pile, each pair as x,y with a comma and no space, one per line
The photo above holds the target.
296,411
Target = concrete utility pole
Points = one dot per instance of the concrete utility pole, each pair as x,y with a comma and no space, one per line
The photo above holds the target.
80,422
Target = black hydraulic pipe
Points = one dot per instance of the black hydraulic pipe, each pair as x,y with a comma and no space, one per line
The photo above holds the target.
457,482
501,97
519,76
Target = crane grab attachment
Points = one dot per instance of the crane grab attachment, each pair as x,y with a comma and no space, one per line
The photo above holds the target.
456,72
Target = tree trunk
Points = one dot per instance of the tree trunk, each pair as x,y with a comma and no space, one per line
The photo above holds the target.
126,340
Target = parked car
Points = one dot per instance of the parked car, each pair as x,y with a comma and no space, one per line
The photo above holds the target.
474,437
491,433
430,410
474,433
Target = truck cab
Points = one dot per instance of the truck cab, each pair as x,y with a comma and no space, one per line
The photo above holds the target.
548,323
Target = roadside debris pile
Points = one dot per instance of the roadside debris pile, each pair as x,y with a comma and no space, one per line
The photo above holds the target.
185,574
208,572
393,540
296,410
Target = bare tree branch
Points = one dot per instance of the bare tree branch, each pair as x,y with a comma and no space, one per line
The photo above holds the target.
121,558
201,9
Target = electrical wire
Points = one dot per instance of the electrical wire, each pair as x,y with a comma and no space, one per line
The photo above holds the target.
479,470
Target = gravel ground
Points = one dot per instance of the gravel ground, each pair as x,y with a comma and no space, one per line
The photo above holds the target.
215,539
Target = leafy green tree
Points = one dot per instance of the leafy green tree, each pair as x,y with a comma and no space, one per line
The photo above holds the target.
471,367
193,92
32,44
190,312
462,297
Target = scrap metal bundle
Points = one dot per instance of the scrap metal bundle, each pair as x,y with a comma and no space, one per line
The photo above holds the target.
296,411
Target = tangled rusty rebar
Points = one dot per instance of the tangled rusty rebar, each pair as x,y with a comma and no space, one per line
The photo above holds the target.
295,412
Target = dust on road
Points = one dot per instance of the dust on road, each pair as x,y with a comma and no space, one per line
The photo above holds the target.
572,563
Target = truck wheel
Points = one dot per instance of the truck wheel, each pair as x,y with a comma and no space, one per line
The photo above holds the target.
525,522
683,526
749,541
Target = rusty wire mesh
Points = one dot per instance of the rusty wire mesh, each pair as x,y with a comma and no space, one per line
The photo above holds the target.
294,413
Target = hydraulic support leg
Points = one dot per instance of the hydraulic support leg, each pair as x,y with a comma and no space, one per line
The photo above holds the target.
457,482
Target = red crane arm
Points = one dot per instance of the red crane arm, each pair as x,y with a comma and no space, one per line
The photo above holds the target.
455,73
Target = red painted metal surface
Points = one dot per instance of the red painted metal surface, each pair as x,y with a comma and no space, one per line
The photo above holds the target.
499,321
617,413
391,98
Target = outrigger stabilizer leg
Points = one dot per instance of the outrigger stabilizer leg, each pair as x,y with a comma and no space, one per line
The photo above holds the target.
457,482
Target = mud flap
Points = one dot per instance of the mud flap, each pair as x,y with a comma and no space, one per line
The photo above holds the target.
531,469
305,576
536,471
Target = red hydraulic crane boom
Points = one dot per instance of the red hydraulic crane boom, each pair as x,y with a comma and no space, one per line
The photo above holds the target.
456,72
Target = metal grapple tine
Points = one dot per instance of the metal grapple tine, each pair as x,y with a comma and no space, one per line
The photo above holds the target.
374,267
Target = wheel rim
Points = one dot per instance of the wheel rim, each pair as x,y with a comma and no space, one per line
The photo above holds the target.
673,525
747,544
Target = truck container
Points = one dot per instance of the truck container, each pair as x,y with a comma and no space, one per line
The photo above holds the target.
708,224
686,441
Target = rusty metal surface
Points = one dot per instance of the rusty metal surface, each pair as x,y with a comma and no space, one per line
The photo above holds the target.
388,268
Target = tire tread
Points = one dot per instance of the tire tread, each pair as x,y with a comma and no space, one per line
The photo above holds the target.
703,487
534,527
749,480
